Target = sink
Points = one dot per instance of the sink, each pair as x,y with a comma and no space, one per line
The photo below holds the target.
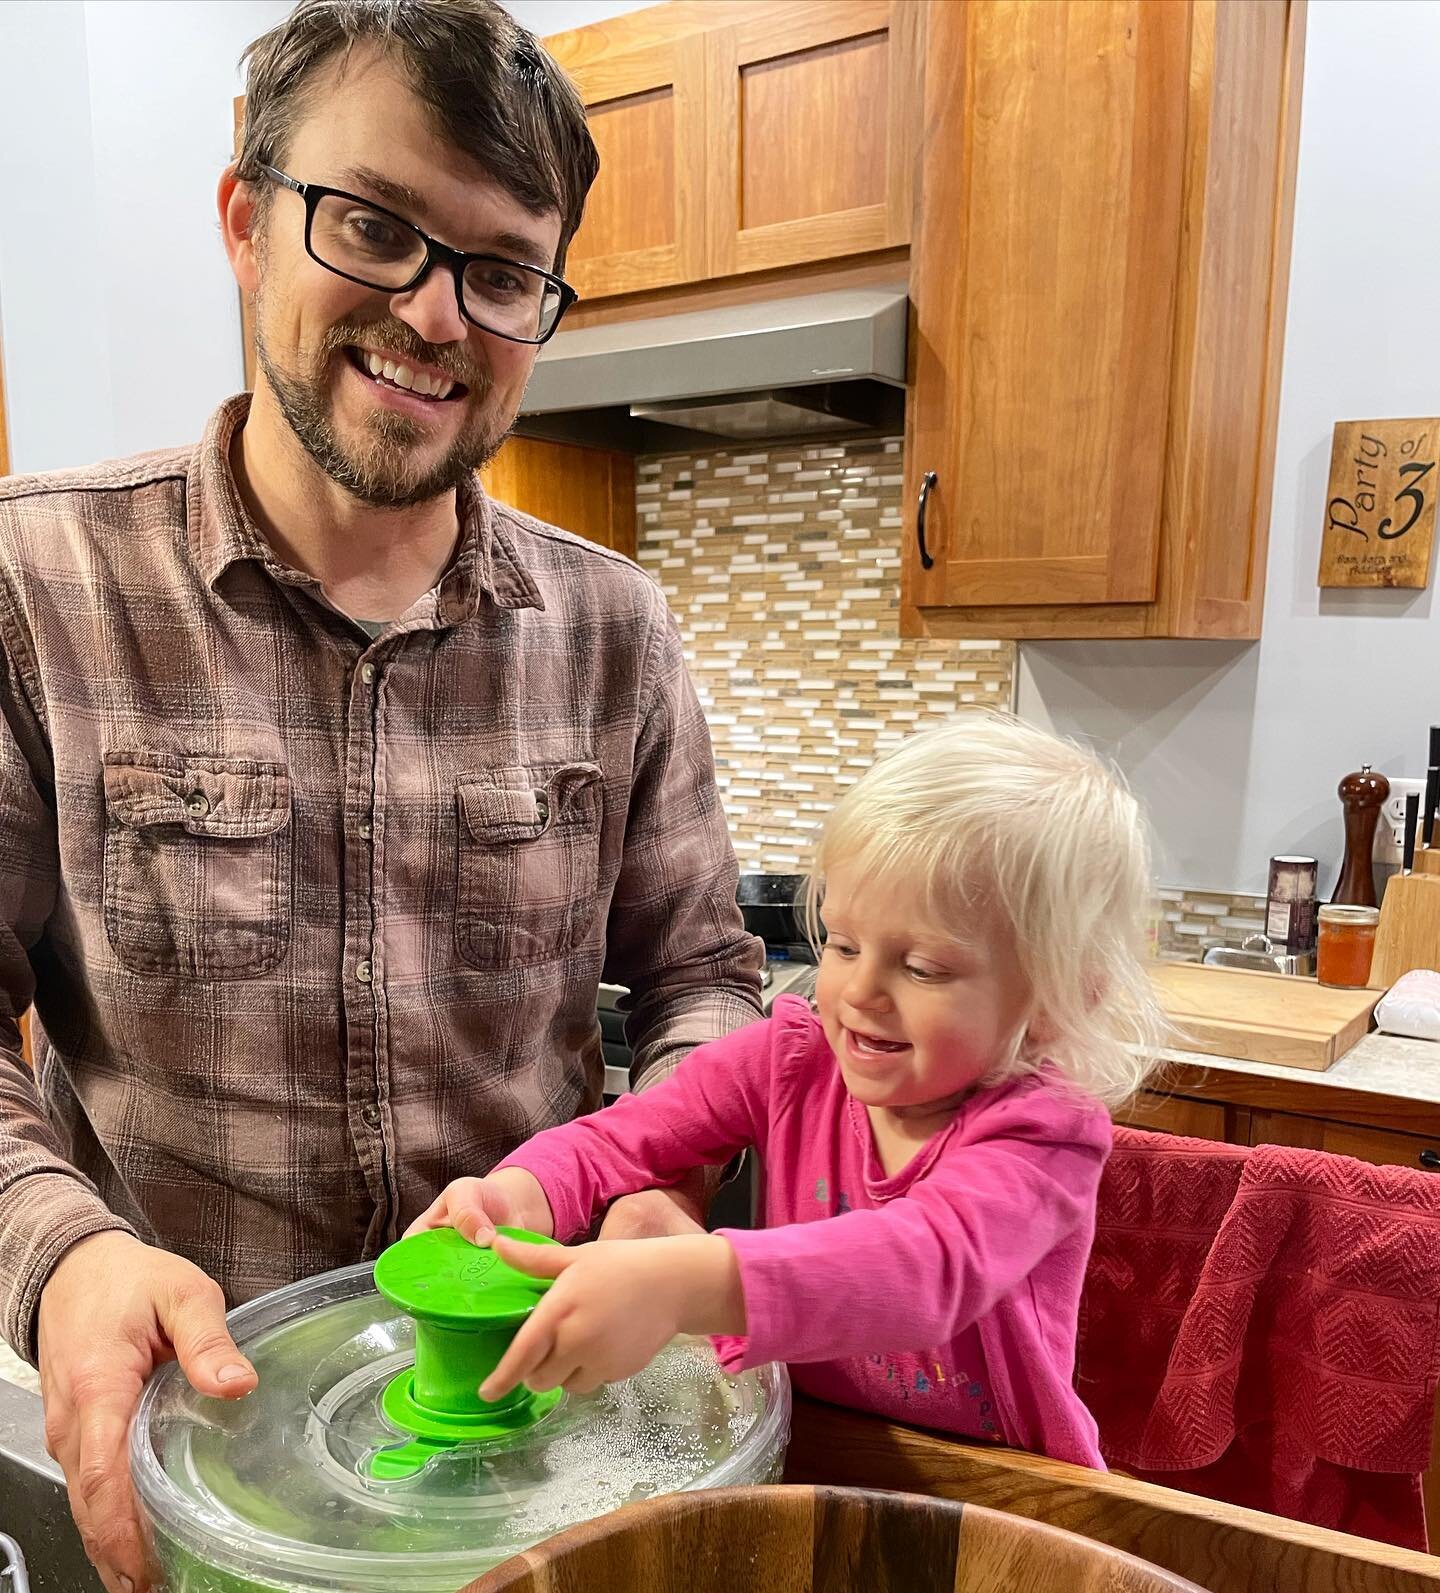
33,1507
1258,956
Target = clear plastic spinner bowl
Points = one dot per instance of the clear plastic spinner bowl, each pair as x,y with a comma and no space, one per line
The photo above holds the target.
307,1485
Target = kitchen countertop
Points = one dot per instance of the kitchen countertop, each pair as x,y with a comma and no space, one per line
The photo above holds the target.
1381,1064
14,1370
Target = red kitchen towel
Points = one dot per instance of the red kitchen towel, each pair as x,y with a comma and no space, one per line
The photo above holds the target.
1263,1327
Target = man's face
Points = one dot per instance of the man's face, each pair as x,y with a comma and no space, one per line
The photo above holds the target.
365,131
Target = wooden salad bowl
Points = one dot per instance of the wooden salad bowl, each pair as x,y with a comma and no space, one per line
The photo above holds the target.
821,1540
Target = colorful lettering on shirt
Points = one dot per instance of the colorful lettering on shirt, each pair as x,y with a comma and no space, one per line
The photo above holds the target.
895,1379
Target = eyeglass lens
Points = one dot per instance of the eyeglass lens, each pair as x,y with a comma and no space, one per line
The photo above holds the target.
385,253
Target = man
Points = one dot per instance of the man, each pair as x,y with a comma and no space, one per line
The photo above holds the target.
327,788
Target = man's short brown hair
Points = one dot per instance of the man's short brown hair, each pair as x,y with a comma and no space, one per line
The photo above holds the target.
492,89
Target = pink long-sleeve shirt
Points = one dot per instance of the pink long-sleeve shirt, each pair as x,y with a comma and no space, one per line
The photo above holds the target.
945,1296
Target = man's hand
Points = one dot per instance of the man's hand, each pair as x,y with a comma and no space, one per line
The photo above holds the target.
659,1213
474,1206
112,1311
613,1308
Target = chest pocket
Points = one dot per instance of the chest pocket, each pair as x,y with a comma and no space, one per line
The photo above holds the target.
197,864
528,862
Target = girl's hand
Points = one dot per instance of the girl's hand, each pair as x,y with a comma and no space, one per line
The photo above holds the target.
474,1206
614,1307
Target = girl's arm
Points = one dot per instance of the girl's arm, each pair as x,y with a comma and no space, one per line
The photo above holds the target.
713,1105
915,1272
907,1276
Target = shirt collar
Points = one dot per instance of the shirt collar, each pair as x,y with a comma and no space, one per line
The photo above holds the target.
222,534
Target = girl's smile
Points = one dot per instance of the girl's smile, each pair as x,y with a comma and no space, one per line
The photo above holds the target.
870,1052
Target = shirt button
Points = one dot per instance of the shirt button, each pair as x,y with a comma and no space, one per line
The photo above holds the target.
196,805
363,971
367,674
363,829
371,1116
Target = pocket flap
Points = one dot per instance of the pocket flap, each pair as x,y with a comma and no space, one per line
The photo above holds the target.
515,803
234,797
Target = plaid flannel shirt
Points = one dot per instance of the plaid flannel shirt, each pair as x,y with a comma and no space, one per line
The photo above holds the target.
312,923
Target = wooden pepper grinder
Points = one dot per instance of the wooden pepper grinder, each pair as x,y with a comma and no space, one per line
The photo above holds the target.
1362,795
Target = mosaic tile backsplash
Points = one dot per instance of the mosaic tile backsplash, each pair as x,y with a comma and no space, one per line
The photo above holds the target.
1189,920
782,567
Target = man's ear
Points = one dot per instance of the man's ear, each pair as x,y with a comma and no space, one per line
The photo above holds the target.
238,222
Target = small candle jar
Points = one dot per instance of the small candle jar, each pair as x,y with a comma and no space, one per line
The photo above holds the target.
1347,943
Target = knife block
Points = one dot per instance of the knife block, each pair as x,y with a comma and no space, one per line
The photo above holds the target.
1408,935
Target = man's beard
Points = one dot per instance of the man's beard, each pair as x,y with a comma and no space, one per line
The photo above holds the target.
379,469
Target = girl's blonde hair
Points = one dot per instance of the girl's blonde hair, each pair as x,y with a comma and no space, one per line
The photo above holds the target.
989,816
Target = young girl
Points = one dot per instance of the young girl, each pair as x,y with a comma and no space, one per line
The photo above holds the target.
932,1134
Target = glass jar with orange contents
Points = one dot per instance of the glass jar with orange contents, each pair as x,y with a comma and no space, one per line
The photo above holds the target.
1347,943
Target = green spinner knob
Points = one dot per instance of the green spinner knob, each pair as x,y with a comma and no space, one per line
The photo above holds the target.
467,1305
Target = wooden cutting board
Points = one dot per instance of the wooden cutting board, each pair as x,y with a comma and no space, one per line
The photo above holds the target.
1262,1017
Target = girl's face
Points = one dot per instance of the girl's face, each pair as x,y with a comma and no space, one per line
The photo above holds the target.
914,1016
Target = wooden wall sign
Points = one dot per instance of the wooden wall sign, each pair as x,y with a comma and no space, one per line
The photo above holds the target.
1380,504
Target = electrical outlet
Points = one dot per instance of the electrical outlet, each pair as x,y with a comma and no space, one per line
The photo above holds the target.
1390,832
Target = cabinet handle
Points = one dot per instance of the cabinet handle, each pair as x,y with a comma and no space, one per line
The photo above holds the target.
1430,1158
927,482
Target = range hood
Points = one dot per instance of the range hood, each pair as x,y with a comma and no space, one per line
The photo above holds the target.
813,365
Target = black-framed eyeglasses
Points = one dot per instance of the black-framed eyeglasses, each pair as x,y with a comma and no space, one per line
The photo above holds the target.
368,244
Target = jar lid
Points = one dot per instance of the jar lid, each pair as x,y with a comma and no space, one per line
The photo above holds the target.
1338,913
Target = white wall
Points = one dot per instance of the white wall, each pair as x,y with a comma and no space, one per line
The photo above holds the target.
1237,750
119,316
53,310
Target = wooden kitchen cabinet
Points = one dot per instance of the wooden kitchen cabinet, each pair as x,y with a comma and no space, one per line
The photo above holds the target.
1099,279
1241,1122
645,220
812,133
736,138
1174,1114
588,491
1345,1139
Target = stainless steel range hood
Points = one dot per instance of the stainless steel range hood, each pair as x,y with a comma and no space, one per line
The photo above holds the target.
813,365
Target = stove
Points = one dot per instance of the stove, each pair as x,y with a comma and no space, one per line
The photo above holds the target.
770,906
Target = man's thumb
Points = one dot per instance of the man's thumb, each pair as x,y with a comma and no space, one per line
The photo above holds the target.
538,1261
204,1348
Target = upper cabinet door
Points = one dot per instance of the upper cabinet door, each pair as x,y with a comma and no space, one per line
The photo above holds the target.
644,224
811,126
1044,289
